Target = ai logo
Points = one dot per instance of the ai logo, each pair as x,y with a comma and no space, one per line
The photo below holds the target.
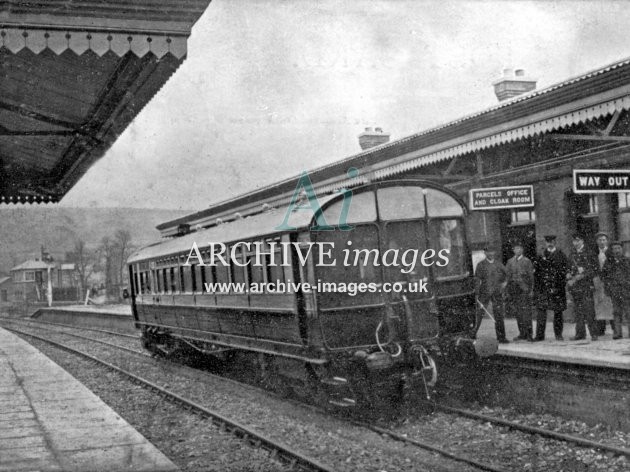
304,198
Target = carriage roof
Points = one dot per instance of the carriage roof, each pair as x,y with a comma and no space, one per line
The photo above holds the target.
262,225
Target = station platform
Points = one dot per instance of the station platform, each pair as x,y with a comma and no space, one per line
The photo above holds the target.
605,352
113,317
120,309
49,421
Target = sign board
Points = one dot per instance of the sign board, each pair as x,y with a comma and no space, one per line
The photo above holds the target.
601,181
497,198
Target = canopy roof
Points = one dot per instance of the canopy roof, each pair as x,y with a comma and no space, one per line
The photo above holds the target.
75,73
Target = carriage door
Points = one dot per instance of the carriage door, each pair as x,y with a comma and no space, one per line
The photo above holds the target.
407,282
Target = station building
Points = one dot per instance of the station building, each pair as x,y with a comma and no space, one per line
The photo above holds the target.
30,281
530,137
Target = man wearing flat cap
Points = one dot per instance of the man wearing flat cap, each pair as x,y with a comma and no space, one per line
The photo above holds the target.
551,268
582,266
519,289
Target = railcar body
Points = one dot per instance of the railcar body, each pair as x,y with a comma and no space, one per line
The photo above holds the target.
406,321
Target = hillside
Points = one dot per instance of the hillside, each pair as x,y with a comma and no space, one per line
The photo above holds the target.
24,229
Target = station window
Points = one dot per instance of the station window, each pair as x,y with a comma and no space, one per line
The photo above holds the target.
624,200
136,279
593,206
29,276
523,216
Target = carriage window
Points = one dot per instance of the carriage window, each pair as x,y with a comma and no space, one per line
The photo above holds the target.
222,273
442,204
359,268
449,234
182,280
193,277
402,236
256,272
275,273
147,278
200,277
173,280
400,203
238,272
361,208
210,274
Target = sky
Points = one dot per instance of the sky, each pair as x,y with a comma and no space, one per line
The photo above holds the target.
272,88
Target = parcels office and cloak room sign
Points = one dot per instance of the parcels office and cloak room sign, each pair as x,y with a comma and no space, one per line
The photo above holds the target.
601,181
498,198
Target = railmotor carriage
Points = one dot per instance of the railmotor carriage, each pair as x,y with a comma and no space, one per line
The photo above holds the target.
345,347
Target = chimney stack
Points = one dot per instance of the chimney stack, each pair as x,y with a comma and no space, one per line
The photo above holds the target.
512,84
370,138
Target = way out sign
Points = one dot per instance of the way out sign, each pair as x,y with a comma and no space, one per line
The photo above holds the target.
497,198
601,181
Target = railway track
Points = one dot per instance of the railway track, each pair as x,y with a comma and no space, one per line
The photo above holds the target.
581,442
279,451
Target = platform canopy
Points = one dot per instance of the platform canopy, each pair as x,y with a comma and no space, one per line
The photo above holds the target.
74,74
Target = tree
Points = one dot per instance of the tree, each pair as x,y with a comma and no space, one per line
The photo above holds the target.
85,262
106,254
122,250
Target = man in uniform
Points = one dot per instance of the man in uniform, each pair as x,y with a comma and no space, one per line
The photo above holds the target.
519,289
616,278
580,285
490,274
549,287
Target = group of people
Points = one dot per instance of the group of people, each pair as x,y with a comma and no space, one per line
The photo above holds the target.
522,284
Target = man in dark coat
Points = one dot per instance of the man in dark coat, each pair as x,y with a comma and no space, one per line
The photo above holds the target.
490,274
616,277
580,285
519,290
551,268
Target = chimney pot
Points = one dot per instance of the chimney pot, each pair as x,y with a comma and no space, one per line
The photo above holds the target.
512,84
371,138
